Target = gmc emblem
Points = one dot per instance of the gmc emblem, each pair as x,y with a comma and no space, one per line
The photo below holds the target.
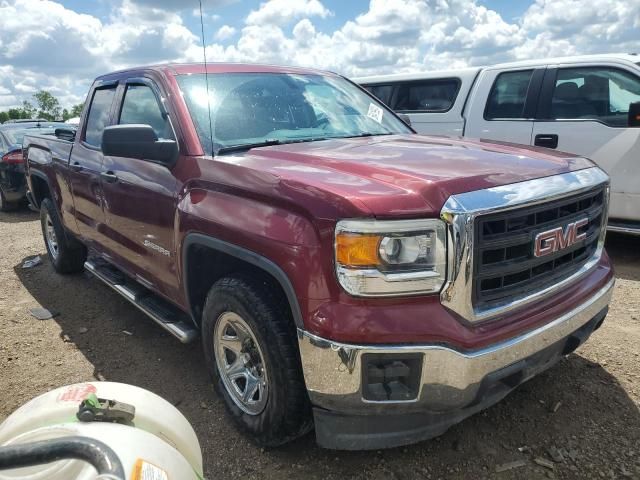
559,238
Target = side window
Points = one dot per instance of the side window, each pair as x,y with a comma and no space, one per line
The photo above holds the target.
508,95
98,115
381,92
141,106
427,95
597,93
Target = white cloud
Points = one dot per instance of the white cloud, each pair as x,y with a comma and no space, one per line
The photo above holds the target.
8,101
567,27
282,12
177,5
45,45
225,32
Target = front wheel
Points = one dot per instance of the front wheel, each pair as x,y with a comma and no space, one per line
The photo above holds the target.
65,256
250,347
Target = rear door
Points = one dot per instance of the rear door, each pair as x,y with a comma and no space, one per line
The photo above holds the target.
503,105
85,165
140,195
584,109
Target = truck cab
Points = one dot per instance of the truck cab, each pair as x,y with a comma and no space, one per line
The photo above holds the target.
586,105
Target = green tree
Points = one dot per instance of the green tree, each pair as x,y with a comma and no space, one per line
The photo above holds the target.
48,105
76,110
28,110
15,113
4,116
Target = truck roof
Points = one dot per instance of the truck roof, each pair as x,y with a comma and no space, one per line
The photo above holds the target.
594,58
472,71
215,67
459,73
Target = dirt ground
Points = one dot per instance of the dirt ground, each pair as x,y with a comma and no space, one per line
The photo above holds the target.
582,416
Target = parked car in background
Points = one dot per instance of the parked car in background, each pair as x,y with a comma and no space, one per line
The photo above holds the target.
24,120
341,270
588,105
12,180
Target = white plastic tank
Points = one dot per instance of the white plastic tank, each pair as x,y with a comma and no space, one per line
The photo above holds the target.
159,444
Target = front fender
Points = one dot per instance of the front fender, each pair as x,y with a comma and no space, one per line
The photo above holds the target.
286,244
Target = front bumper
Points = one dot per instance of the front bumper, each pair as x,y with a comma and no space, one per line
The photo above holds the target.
453,384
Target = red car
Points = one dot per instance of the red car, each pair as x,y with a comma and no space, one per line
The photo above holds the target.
341,270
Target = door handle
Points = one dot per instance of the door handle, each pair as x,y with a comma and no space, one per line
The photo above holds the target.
546,140
109,177
76,167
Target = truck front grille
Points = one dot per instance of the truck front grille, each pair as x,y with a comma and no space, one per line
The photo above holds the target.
505,266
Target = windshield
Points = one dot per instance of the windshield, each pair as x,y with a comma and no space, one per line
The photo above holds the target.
254,108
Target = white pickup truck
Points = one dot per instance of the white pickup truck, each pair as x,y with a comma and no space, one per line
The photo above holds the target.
588,105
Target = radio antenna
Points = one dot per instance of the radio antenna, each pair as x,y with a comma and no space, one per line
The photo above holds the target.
206,76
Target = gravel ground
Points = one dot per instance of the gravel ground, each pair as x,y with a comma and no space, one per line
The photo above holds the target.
581,419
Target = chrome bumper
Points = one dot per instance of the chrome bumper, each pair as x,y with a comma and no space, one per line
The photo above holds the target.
450,379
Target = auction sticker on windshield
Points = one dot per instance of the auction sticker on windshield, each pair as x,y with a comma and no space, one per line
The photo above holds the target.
375,112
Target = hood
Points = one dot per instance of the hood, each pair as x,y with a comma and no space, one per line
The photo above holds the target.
407,175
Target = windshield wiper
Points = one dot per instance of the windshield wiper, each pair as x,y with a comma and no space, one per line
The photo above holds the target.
368,134
268,143
248,146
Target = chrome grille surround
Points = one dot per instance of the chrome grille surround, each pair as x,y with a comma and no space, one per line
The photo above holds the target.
461,211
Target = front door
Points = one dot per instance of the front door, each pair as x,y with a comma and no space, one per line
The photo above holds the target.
586,113
140,197
508,113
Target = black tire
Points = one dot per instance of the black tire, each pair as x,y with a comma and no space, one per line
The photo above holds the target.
287,413
69,255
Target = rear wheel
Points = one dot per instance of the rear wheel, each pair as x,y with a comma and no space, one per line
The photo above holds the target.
251,352
66,256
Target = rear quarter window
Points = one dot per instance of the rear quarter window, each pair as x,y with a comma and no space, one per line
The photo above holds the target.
381,92
437,95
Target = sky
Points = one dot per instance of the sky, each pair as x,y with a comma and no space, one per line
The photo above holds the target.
62,45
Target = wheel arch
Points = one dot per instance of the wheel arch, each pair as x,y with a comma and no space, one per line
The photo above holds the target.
234,259
40,188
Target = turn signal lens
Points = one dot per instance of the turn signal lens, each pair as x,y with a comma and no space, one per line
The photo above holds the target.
354,250
391,257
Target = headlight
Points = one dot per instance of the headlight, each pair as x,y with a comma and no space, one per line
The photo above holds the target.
397,257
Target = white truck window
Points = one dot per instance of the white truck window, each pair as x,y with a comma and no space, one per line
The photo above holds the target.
381,92
508,95
426,95
597,93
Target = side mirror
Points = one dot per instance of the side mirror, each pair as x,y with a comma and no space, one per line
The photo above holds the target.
405,118
634,114
138,141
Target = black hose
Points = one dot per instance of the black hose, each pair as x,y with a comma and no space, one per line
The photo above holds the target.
98,454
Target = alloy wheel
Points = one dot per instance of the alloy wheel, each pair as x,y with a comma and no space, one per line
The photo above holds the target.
50,236
240,363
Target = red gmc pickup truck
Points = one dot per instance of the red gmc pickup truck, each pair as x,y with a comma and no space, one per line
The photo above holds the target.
341,270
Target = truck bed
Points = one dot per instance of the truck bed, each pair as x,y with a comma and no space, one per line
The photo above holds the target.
42,149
